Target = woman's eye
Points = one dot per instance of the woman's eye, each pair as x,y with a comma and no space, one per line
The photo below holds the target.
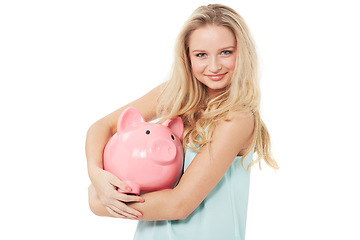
226,52
201,54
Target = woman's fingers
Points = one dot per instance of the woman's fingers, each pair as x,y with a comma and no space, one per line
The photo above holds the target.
128,210
128,197
114,213
113,200
123,211
116,182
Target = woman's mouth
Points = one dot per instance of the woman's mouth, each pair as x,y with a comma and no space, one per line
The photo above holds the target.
216,77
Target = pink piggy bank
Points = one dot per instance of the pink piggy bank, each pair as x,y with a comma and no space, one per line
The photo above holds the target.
146,156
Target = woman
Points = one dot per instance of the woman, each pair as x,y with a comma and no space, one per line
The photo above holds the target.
214,89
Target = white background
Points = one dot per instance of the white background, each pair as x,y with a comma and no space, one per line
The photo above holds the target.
65,64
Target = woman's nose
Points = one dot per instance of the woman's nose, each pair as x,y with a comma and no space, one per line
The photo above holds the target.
214,65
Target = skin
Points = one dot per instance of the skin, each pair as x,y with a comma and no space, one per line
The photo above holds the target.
213,57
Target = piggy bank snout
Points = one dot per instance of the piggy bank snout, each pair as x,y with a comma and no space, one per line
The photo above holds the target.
162,151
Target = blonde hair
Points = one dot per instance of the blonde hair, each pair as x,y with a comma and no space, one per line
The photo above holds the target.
187,97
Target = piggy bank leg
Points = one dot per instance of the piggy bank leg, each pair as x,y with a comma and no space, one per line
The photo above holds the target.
134,186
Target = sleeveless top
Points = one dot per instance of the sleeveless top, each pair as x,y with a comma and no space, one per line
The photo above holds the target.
221,215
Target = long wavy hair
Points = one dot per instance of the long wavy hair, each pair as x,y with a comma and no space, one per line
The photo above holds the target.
187,97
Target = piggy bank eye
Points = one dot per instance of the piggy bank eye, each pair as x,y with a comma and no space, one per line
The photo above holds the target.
147,132
172,136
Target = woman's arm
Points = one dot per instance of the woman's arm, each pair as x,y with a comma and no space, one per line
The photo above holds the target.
103,182
230,138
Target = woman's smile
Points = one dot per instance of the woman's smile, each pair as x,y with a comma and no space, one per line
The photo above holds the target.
216,77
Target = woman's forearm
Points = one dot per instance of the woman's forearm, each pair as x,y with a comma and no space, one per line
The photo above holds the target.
161,205
96,139
95,204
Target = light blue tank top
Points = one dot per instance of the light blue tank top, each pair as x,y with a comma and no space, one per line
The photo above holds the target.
222,214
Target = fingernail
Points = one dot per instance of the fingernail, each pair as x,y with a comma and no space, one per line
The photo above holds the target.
135,218
139,215
127,188
142,200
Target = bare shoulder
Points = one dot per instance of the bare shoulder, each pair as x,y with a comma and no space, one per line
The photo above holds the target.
241,120
236,131
158,89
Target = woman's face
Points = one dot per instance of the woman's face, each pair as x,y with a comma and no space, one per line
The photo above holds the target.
212,51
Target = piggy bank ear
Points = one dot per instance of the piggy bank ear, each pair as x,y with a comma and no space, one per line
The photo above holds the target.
176,125
129,117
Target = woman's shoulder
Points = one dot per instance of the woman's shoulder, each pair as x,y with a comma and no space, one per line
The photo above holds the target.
239,121
240,116
238,128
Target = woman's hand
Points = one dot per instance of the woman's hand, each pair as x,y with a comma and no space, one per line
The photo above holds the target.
103,195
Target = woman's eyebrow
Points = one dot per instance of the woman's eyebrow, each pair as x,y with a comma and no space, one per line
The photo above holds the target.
200,50
227,47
